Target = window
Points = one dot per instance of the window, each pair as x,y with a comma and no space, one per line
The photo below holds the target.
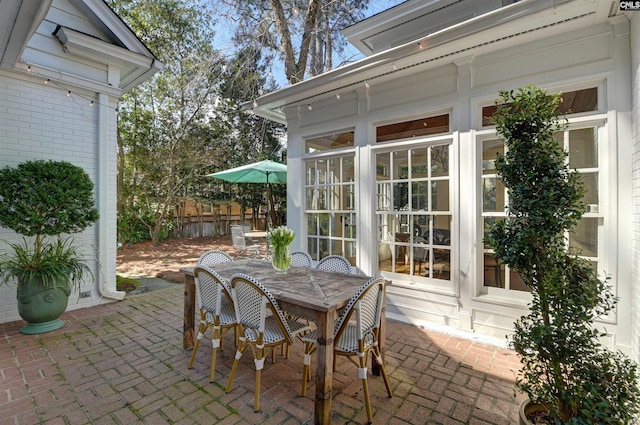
582,145
330,207
332,141
573,102
414,128
494,201
413,190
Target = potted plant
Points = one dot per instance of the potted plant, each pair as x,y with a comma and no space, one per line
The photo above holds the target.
565,370
43,201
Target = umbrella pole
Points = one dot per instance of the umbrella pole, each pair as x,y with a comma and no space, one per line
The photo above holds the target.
271,208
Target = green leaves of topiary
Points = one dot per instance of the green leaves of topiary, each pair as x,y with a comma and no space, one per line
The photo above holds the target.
564,366
46,198
40,199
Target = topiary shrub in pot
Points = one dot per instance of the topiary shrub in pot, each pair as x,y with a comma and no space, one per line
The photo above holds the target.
45,201
564,367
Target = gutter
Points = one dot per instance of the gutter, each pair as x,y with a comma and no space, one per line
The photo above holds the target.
106,241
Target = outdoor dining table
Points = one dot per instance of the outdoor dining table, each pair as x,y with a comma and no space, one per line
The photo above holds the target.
305,292
259,234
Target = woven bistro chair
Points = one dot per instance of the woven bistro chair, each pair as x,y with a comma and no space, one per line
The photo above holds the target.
263,326
214,256
301,259
355,337
334,263
216,312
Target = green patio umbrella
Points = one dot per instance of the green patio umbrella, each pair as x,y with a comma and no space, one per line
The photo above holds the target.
266,171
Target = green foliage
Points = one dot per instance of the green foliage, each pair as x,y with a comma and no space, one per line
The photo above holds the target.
564,366
137,224
58,261
187,121
40,199
46,198
126,284
131,229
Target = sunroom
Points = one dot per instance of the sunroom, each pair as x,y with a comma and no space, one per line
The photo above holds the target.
392,156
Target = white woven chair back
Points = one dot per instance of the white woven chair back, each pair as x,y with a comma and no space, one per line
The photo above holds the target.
237,237
301,259
212,257
211,288
251,301
366,303
334,263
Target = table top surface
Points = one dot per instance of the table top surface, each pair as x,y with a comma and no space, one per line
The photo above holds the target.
307,287
255,234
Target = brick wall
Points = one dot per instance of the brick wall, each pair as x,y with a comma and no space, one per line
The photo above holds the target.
39,121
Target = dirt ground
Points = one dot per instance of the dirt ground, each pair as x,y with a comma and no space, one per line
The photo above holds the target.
166,258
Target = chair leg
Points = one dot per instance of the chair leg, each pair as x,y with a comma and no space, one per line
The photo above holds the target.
259,362
215,343
201,330
382,370
362,374
241,348
306,368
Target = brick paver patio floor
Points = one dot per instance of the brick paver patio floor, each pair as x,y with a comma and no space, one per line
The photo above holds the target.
123,363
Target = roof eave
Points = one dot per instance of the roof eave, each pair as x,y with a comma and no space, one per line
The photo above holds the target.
359,72
18,20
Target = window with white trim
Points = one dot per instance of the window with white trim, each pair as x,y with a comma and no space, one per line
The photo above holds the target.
414,198
581,140
330,206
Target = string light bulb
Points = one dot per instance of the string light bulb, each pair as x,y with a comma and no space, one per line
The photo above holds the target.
29,68
255,104
47,81
91,104
338,96
309,107
69,93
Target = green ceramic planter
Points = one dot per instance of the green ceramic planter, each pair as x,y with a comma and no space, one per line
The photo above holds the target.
41,306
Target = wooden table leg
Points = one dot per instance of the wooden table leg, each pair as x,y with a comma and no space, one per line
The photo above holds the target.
324,372
188,327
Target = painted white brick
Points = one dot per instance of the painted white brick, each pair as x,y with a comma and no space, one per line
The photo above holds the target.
42,122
